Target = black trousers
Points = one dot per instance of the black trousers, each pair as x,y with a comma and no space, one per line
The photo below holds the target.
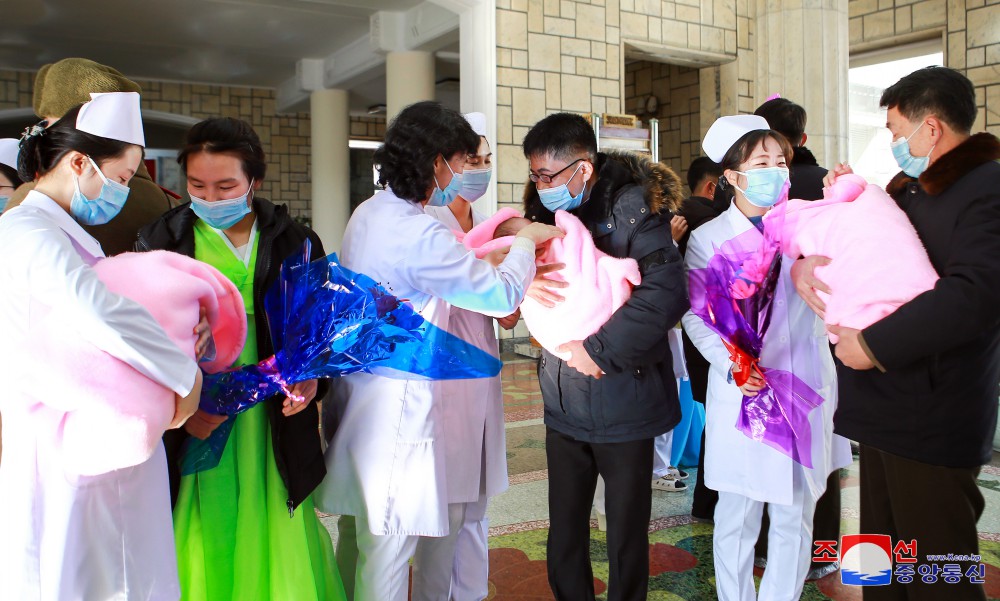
627,468
934,505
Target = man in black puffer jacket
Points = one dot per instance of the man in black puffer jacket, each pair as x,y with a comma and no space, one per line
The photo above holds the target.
604,406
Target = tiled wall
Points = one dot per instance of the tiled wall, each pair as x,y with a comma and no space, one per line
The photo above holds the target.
566,55
286,137
368,128
679,112
972,35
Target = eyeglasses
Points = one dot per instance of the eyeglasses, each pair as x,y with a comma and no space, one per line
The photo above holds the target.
547,179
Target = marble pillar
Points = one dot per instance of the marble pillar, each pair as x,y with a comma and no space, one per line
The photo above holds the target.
331,172
409,78
802,53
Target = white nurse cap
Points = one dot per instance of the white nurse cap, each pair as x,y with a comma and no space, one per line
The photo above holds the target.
8,152
478,123
726,131
113,115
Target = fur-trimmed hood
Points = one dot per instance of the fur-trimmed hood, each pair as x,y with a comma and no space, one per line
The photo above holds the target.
952,166
662,189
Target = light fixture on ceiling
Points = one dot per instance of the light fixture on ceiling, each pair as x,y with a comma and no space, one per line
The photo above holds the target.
377,109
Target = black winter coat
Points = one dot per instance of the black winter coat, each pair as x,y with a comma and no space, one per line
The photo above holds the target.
296,438
628,214
936,401
805,176
698,210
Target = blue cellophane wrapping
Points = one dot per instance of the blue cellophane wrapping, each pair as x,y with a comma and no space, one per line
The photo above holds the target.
734,295
328,321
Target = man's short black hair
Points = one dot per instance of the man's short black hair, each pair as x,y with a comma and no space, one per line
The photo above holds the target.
701,168
562,136
784,117
943,92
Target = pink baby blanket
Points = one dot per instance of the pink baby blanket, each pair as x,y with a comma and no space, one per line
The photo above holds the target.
480,238
111,416
598,283
877,260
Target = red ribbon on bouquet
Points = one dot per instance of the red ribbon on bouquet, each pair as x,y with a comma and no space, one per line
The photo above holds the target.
743,362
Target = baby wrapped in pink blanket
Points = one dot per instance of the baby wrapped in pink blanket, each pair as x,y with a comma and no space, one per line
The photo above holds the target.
110,415
598,283
877,260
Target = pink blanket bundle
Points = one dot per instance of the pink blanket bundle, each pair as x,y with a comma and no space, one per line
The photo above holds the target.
877,260
111,416
598,283
480,238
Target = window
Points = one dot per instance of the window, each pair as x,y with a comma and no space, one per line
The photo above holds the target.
870,155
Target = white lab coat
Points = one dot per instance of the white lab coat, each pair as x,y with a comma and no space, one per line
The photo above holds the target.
796,342
475,438
66,536
387,457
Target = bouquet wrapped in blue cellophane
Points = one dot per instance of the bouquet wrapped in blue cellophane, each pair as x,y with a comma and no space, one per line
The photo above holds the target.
328,321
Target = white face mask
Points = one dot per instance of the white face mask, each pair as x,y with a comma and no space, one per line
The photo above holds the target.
475,182
222,214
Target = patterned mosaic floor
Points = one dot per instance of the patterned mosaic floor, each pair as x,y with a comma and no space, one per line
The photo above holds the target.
680,548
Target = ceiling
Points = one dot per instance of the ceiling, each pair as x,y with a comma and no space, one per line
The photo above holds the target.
234,42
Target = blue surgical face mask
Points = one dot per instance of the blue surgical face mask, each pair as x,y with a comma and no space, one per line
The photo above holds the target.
3,203
764,185
911,165
442,198
475,182
222,214
559,197
105,207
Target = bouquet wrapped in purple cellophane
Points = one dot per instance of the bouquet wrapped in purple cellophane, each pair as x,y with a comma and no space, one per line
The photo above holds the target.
734,296
327,321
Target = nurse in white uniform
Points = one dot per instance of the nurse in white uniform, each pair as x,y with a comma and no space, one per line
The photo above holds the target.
67,536
387,459
475,441
747,473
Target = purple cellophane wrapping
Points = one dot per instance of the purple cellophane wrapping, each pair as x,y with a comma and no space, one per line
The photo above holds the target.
734,296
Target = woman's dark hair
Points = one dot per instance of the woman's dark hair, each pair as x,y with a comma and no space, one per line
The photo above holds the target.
740,152
229,136
41,152
420,133
11,174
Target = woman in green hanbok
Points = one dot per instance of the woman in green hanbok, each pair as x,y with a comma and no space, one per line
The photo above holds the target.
246,529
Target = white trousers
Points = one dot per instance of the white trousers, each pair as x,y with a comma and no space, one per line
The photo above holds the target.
789,547
377,567
662,448
471,570
435,557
